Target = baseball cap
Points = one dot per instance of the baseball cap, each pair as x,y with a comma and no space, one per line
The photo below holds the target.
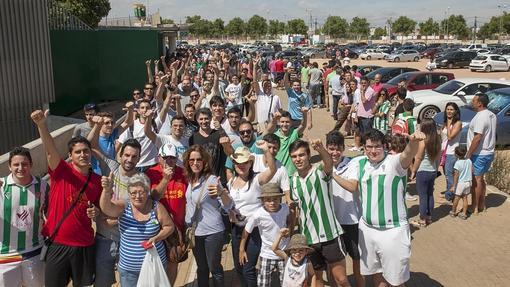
167,150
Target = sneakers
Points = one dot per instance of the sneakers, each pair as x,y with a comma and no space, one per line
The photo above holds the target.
462,216
453,214
411,197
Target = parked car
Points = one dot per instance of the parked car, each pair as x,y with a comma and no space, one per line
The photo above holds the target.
369,54
473,47
388,73
499,104
429,52
404,55
365,69
461,91
314,53
290,55
416,81
456,59
489,63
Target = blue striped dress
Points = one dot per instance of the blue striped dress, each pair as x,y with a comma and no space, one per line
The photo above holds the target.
132,233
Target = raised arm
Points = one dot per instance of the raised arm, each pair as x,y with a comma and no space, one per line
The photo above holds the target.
173,69
156,66
150,76
286,81
252,110
109,207
323,153
266,175
406,157
160,189
304,122
216,85
147,126
271,126
418,158
158,96
93,135
255,83
39,117
284,232
129,108
165,66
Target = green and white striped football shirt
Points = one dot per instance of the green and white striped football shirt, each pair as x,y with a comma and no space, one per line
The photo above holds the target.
411,121
382,188
19,206
381,123
317,217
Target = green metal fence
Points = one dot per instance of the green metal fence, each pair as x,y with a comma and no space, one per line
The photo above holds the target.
101,65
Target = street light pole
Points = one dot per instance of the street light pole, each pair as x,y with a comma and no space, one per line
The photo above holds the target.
447,20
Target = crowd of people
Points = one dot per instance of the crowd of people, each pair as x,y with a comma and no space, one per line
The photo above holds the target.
207,154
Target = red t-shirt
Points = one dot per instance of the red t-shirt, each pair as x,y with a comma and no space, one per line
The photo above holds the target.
279,66
174,198
66,183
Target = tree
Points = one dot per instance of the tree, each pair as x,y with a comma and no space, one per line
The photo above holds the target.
236,27
256,26
455,25
359,27
297,26
335,26
379,33
403,25
199,27
218,27
89,11
167,21
429,27
275,28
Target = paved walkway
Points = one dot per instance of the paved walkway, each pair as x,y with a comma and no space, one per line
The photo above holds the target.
450,252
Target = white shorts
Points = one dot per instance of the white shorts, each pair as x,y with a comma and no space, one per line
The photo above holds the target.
463,188
29,272
385,251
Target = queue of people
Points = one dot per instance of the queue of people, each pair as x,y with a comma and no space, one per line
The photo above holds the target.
207,154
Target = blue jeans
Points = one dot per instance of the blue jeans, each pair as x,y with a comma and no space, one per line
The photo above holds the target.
207,253
247,273
425,189
334,108
128,278
107,255
448,170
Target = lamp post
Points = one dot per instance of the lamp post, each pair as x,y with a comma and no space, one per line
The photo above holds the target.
447,20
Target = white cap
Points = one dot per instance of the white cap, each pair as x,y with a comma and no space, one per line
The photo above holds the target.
167,149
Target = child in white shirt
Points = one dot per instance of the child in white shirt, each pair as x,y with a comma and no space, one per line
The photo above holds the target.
298,269
462,171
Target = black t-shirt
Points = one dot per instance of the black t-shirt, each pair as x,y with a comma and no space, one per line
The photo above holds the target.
399,110
213,147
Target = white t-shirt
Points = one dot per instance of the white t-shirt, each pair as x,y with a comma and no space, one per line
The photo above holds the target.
347,205
266,107
149,152
281,177
295,276
483,123
246,199
452,144
181,145
166,128
235,93
269,225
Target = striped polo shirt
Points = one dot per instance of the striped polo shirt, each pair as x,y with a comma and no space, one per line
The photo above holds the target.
20,229
381,123
132,233
317,219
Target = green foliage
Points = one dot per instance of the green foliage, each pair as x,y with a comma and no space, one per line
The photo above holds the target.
297,26
275,28
89,11
456,25
429,27
218,27
199,27
256,26
335,27
236,27
379,32
403,25
496,26
167,21
359,27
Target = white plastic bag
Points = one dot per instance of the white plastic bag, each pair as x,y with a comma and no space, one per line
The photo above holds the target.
152,273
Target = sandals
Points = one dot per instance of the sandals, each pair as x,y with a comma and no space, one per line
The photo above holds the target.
462,216
418,223
453,214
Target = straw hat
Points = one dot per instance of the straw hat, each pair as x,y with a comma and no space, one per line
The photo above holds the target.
271,190
297,241
242,154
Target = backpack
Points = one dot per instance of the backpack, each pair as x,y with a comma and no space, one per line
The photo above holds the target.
400,126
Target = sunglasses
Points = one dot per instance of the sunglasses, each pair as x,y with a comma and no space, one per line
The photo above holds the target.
246,132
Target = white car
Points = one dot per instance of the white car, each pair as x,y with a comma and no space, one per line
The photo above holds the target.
369,54
427,103
489,63
404,55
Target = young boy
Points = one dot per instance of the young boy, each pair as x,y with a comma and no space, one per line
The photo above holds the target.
298,269
268,219
461,182
407,117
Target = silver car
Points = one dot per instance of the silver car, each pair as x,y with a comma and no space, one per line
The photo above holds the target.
403,55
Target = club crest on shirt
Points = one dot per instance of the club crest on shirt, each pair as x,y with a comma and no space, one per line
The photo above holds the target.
23,218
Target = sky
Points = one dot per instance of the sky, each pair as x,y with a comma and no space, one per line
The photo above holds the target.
376,11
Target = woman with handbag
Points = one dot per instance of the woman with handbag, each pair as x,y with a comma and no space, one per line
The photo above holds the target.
141,220
205,229
450,134
245,188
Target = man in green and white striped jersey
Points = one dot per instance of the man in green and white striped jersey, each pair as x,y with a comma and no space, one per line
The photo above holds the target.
310,188
384,235
21,204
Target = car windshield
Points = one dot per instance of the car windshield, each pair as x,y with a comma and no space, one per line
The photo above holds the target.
497,101
397,79
480,58
449,87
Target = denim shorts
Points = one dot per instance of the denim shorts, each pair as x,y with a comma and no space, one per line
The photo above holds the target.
481,163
